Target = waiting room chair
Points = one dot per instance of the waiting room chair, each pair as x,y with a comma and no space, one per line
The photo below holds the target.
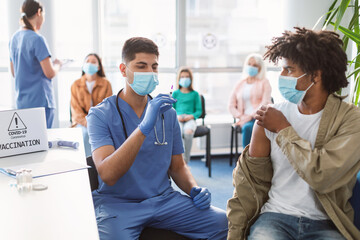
355,202
205,130
148,233
235,130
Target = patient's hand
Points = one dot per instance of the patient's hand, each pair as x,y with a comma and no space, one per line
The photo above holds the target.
242,120
271,119
188,117
181,118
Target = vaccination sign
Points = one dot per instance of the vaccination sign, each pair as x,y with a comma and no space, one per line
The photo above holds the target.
22,131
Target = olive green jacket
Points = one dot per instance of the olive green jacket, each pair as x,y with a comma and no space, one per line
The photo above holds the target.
330,170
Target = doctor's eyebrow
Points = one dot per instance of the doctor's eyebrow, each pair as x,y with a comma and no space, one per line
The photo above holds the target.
145,63
141,63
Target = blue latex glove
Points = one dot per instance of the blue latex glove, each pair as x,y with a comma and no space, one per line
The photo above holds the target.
201,197
157,106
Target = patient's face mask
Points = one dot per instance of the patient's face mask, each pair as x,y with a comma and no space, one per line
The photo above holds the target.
185,82
287,88
251,70
90,68
144,82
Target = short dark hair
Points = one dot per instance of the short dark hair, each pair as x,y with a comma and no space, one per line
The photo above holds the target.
313,51
29,9
101,71
138,45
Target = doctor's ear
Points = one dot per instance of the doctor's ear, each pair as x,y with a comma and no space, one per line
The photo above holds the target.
122,68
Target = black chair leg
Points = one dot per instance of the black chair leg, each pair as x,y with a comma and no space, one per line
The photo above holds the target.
231,145
236,144
208,154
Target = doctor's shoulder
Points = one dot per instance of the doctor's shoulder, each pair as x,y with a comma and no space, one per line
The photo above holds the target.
105,108
170,114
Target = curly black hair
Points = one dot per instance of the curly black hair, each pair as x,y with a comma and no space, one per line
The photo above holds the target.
313,51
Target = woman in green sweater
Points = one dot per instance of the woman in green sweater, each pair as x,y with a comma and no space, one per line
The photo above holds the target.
188,108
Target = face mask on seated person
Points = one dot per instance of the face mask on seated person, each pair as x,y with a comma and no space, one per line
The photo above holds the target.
185,82
90,68
287,88
251,70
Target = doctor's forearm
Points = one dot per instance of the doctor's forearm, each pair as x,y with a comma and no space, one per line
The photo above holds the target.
184,179
115,165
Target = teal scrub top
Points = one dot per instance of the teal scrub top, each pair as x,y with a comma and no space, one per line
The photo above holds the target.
33,88
148,176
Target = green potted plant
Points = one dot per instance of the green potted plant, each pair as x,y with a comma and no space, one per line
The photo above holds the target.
351,33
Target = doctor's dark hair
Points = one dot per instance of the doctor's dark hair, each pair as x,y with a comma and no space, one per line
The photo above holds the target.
28,10
101,71
313,51
187,70
138,45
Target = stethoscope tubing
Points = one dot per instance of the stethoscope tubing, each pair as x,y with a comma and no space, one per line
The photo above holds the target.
157,142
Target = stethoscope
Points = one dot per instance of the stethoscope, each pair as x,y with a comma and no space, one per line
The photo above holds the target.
157,142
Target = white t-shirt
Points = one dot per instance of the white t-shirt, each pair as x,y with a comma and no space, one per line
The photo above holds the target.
246,95
90,86
290,194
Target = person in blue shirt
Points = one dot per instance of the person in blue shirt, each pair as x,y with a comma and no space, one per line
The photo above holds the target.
136,147
30,62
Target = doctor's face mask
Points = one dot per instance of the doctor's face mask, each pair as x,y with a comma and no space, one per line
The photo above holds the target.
144,82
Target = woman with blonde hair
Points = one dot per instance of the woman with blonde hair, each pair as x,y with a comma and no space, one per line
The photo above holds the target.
252,91
188,108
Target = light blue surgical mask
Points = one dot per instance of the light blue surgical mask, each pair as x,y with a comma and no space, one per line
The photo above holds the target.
90,68
144,82
185,82
287,88
251,70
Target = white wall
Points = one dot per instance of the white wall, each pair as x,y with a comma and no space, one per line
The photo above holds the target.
304,13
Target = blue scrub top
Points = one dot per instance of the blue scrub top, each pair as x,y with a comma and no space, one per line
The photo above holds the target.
148,176
33,88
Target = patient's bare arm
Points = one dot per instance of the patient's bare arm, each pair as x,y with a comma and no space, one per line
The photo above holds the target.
260,144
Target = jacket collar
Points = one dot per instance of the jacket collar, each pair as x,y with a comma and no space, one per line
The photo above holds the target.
99,81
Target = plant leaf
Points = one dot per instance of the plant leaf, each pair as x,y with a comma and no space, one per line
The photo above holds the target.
356,17
357,70
342,8
350,34
357,92
328,14
328,21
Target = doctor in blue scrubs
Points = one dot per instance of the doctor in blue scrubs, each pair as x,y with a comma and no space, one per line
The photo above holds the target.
30,62
136,146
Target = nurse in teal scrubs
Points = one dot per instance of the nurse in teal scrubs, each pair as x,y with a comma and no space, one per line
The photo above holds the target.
30,62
